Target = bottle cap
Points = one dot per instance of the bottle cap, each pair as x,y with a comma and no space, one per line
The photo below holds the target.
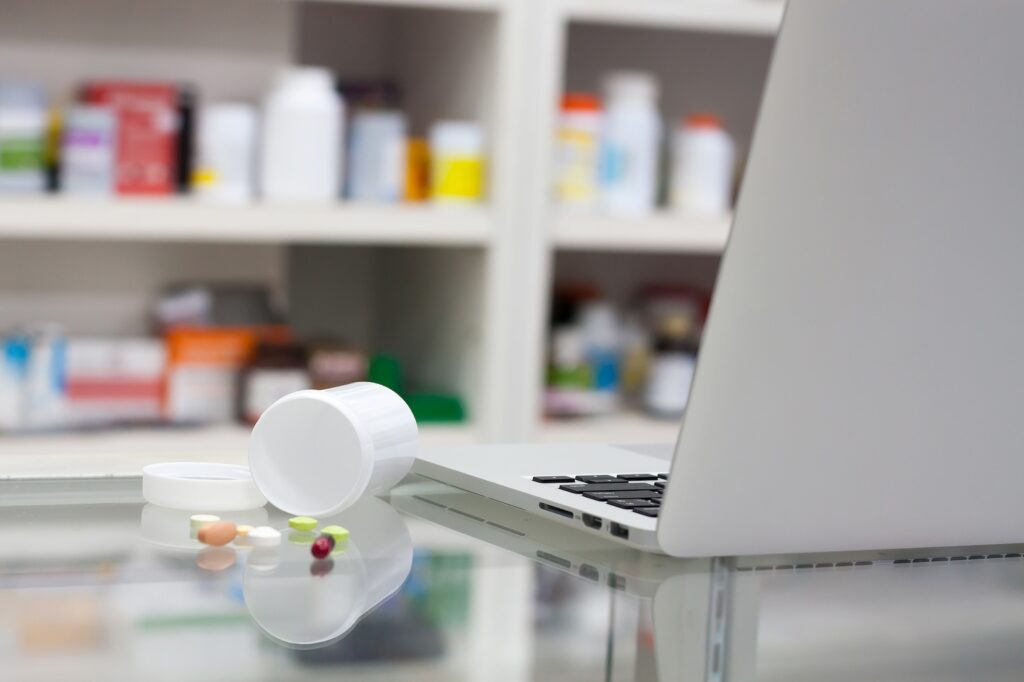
580,101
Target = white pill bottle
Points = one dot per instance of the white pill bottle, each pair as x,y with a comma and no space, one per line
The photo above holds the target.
630,144
316,453
704,163
301,151
225,167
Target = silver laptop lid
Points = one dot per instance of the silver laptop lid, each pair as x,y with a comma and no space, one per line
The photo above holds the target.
861,379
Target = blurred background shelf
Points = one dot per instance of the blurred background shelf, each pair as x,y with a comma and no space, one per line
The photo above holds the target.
759,17
622,428
183,220
663,233
461,295
125,452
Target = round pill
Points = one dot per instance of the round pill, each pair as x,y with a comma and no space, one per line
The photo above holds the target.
302,523
322,547
337,532
244,530
197,521
264,536
217,533
321,567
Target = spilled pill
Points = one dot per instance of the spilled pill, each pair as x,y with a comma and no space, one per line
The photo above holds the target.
322,546
337,532
244,530
197,521
264,536
217,533
302,523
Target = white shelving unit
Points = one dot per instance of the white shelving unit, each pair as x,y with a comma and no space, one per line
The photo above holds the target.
461,293
755,17
184,220
665,233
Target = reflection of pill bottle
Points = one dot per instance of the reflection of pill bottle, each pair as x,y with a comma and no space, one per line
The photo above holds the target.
457,162
576,150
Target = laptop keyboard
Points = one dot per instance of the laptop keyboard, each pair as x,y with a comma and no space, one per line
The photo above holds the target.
639,492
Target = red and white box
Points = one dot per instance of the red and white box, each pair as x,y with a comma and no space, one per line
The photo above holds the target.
114,381
146,133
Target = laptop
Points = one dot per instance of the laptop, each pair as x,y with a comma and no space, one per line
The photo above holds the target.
860,379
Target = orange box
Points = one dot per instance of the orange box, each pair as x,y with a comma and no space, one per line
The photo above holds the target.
203,365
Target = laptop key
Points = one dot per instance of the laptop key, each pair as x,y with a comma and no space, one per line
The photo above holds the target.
638,477
606,487
597,478
630,504
648,511
665,476
659,484
554,479
620,495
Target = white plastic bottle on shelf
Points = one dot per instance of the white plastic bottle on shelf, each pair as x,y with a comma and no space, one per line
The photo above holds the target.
630,144
704,165
456,162
301,154
577,151
376,169
23,120
226,156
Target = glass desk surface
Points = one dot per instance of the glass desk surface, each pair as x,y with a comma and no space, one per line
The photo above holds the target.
436,584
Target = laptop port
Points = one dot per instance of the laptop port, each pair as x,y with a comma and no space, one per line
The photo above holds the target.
592,521
619,531
556,510
589,572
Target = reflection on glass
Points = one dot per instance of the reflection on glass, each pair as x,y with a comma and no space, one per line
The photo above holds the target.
301,606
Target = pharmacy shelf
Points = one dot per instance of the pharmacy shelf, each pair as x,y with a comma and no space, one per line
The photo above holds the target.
124,452
663,233
466,5
621,428
757,17
185,220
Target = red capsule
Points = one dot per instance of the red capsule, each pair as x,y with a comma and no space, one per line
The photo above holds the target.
322,547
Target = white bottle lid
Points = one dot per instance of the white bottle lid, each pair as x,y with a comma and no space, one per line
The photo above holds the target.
631,85
315,453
